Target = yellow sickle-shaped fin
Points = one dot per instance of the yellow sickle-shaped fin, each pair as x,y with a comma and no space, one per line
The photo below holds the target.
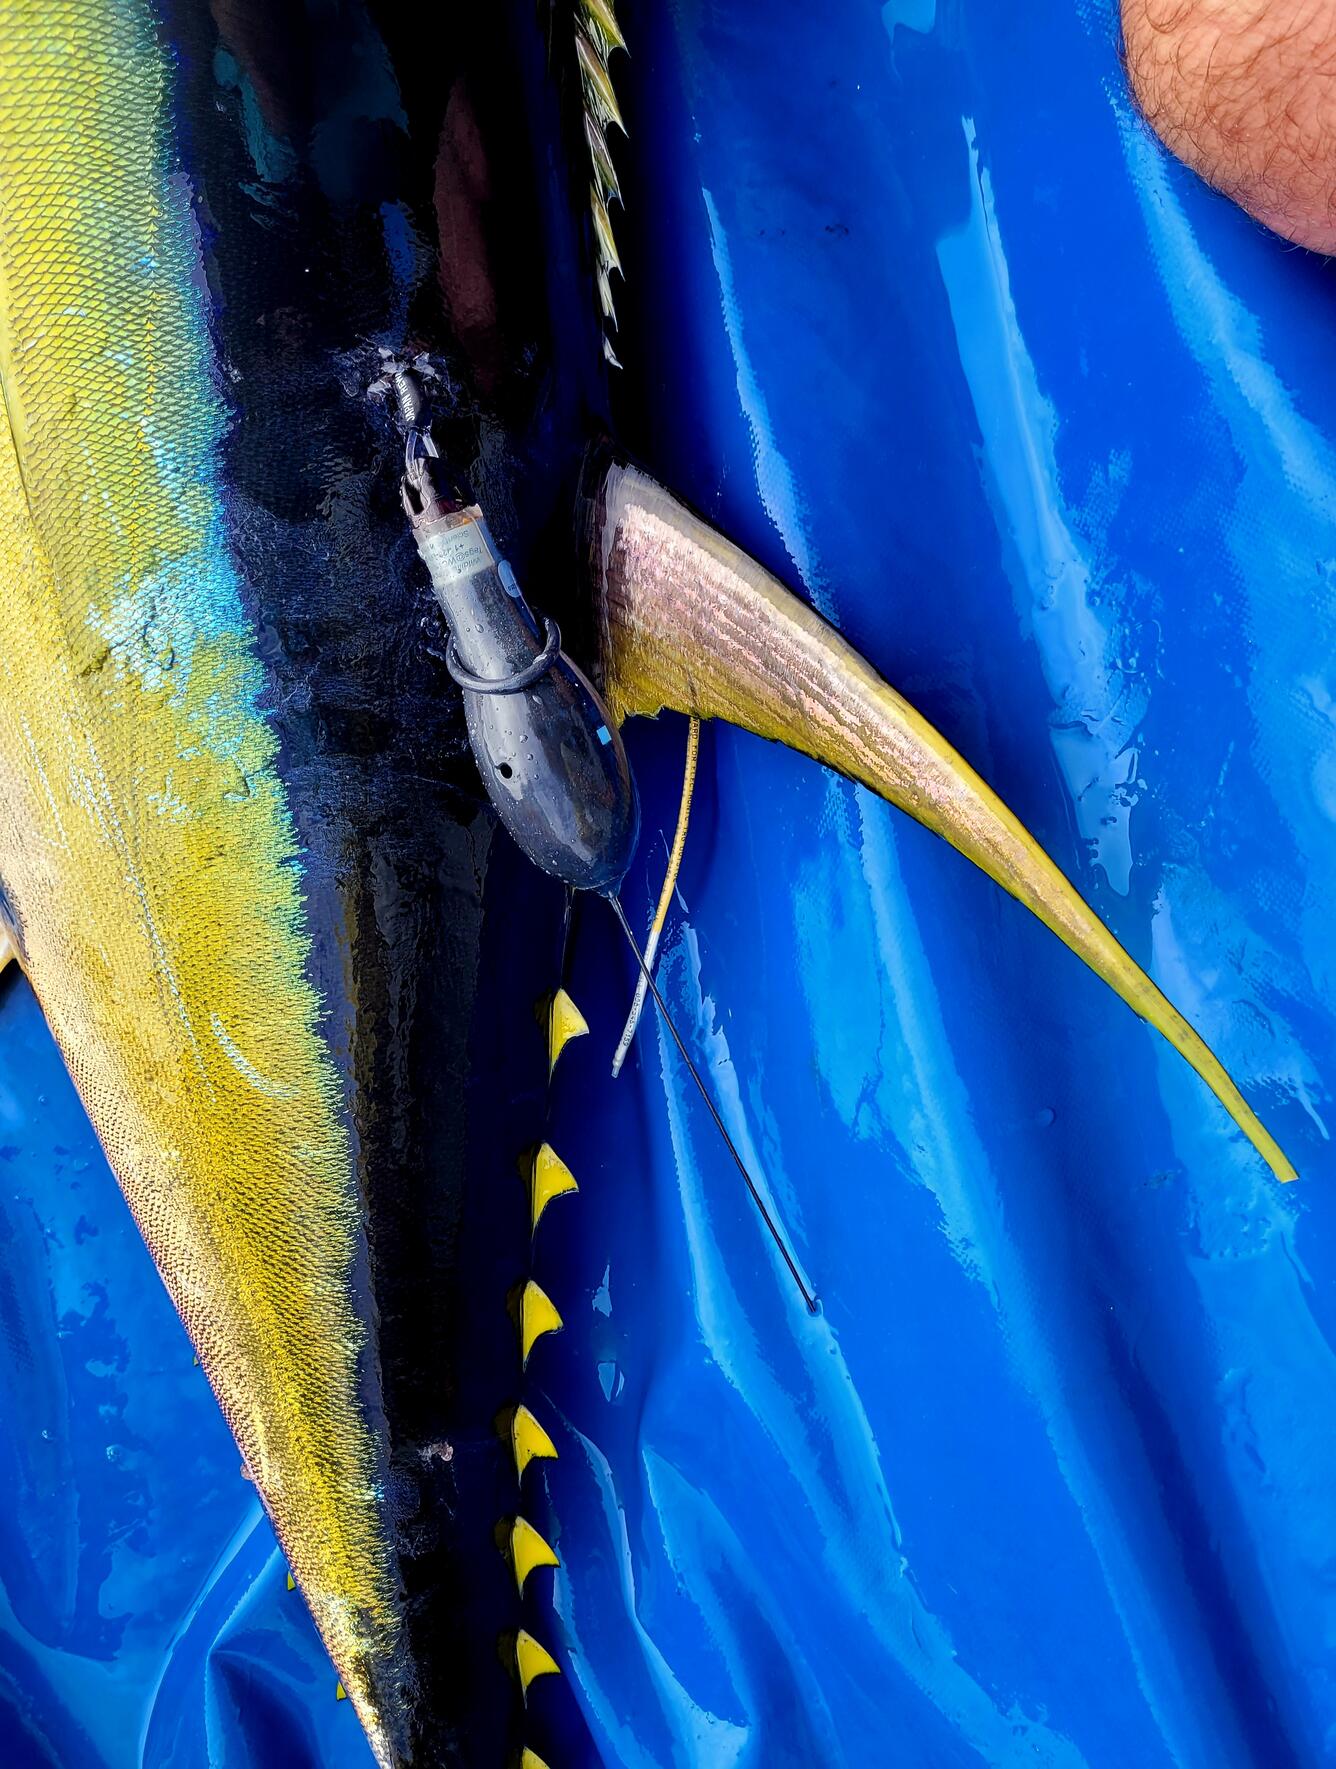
538,1315
564,1021
529,1441
528,1551
532,1659
549,1177
690,623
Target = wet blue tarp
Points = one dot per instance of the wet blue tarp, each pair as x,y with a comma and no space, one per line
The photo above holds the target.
928,323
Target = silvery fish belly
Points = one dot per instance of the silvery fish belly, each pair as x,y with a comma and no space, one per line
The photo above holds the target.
243,852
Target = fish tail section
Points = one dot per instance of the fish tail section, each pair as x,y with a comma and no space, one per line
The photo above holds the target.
689,622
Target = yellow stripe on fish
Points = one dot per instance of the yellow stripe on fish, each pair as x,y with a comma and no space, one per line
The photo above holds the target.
147,853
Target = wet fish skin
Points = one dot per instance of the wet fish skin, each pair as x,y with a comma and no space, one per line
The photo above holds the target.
242,848
145,840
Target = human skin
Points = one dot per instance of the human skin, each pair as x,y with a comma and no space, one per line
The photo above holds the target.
1244,91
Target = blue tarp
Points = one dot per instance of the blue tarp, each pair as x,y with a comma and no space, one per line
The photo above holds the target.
928,322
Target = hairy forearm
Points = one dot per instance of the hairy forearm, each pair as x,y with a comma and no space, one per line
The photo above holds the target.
1245,92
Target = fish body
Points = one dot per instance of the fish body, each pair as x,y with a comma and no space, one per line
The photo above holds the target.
243,852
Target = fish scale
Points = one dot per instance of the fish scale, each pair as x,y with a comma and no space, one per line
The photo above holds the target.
184,1006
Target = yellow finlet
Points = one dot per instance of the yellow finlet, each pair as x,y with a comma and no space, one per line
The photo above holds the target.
292,1583
607,243
605,172
529,1441
528,1551
8,951
340,1693
597,82
538,1315
564,1022
532,1660
531,1760
600,11
549,1177
605,299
